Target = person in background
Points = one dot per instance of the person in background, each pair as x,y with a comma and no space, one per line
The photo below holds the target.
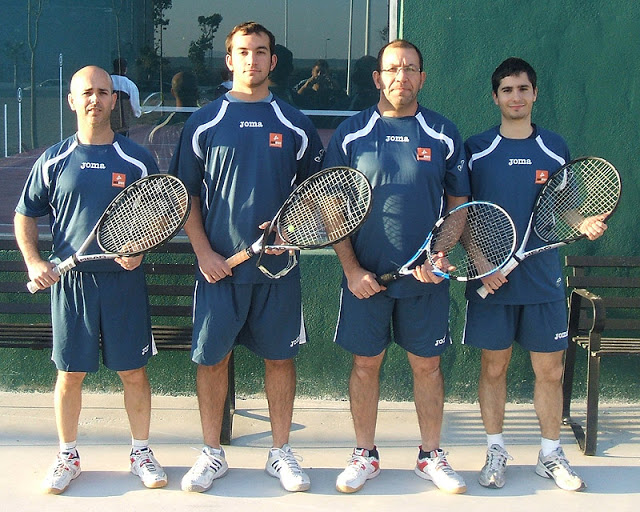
128,98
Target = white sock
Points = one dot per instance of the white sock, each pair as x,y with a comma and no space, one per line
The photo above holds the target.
549,445
139,444
495,439
69,447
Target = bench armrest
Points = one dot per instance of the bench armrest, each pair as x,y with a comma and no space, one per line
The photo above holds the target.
575,306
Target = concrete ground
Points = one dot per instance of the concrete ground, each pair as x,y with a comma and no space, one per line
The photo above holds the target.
322,435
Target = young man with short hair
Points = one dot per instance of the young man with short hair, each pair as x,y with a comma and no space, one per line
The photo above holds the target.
240,157
508,165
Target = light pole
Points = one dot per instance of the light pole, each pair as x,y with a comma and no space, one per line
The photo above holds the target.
325,46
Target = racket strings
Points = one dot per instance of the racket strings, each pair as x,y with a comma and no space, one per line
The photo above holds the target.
476,239
326,209
587,188
145,217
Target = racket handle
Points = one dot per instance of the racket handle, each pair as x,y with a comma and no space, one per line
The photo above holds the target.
239,257
388,278
506,270
33,287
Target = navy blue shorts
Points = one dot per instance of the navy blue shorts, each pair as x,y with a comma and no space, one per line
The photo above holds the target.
536,327
265,318
420,324
112,307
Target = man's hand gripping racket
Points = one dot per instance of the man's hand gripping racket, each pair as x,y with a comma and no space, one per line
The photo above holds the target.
574,203
323,210
470,242
146,214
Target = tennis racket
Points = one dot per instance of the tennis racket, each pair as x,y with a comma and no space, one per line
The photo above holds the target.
323,210
146,214
582,188
476,238
151,103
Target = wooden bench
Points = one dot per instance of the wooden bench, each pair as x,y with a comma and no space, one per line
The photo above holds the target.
25,319
604,319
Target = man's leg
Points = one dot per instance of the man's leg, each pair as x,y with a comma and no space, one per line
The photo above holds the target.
211,384
364,394
280,388
67,398
547,394
137,401
428,393
547,399
492,388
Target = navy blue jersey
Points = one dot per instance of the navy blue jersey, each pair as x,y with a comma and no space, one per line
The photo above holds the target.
411,162
74,183
243,159
510,173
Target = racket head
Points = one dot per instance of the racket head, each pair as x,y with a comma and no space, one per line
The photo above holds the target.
584,187
477,239
325,208
146,214
152,102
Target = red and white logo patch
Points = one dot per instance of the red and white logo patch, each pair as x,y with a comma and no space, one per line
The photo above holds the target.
424,154
541,176
118,180
275,140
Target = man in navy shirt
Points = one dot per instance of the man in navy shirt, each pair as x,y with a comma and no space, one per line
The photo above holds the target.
97,302
508,165
414,159
240,157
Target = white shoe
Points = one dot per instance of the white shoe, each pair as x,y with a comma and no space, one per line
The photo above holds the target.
282,464
361,467
210,465
438,470
493,473
145,465
65,469
556,466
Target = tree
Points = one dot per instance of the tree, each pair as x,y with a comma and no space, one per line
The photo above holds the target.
15,52
34,11
160,24
198,49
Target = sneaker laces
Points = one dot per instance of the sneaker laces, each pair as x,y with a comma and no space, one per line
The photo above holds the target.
63,463
560,461
289,459
206,461
497,459
441,463
144,458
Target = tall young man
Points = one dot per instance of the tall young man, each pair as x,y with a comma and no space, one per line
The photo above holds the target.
240,157
414,159
73,182
508,165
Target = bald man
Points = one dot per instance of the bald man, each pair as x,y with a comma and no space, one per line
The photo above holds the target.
97,306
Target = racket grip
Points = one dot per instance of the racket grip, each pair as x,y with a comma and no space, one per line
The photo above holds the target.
506,270
239,257
33,287
388,278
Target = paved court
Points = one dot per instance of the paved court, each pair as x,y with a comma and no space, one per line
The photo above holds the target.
322,435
